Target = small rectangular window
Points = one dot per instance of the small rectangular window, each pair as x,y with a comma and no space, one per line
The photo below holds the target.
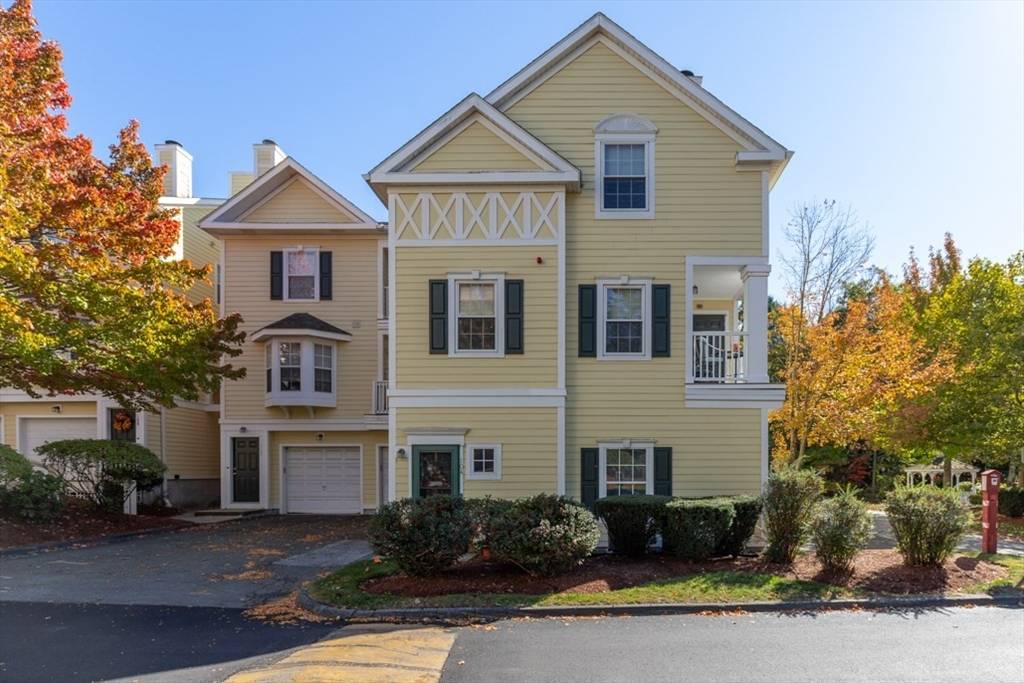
301,269
626,471
323,367
290,361
216,283
476,316
625,176
484,461
624,320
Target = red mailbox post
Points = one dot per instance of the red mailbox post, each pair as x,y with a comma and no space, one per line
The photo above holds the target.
990,510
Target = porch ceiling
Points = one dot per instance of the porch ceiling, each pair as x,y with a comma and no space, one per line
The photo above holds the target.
718,282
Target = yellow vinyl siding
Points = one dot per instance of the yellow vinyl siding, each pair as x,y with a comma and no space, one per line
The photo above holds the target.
528,438
703,205
298,203
200,248
368,440
353,309
11,411
476,149
192,442
417,368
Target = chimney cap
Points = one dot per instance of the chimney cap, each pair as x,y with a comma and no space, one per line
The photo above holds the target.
268,141
172,142
687,72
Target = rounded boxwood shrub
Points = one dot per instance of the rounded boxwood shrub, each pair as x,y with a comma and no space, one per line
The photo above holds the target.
840,529
13,467
97,469
790,496
422,536
928,522
545,534
693,529
748,511
1011,501
37,496
632,521
483,512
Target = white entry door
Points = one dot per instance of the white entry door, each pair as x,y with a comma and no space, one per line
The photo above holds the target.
323,480
33,432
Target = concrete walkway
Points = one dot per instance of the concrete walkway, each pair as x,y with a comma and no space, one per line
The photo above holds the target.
883,538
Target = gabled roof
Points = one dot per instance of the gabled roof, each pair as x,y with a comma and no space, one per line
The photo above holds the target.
230,217
759,147
397,168
301,324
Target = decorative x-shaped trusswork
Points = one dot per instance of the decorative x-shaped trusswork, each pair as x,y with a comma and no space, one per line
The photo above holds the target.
486,216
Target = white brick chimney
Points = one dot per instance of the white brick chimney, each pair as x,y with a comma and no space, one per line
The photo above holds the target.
178,180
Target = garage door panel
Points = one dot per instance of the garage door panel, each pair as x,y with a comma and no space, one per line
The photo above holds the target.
323,480
33,432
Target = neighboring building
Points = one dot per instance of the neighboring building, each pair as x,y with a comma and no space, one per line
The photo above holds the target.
578,269
185,438
306,429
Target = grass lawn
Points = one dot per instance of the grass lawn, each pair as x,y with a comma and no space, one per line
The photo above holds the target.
1011,585
1011,528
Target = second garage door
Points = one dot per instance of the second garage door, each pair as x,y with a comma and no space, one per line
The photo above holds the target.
35,431
323,480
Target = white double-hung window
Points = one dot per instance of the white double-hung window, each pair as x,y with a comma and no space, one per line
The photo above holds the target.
301,274
290,365
626,469
477,324
323,367
624,167
624,313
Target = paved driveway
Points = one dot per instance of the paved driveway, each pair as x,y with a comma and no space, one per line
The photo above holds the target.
232,564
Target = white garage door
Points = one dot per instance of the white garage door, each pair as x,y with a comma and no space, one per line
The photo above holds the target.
35,431
323,480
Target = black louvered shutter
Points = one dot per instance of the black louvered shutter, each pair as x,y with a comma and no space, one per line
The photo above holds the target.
662,305
276,274
438,316
513,316
663,471
588,321
588,476
326,274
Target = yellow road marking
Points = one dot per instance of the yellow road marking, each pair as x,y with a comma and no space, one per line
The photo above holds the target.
367,654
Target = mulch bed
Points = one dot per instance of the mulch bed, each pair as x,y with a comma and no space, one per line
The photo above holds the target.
879,571
78,523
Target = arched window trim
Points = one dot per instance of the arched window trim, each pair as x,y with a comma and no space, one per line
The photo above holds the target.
624,129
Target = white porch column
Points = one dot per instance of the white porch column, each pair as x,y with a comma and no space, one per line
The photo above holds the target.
755,320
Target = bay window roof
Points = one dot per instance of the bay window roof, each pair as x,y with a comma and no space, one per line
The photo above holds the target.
301,325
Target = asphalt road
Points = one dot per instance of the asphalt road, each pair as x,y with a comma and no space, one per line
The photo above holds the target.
980,644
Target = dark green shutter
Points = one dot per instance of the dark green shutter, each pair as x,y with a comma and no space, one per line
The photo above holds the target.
438,316
326,279
276,274
660,347
513,316
588,321
663,471
588,476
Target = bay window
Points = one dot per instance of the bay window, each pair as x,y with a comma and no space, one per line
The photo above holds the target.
300,372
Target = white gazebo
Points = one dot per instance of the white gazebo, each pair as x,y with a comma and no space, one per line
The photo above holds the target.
933,472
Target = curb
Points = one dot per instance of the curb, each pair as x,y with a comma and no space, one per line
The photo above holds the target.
446,614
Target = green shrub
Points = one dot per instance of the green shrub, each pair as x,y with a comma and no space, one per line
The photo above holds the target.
1011,501
695,528
840,529
13,467
37,496
748,511
422,536
632,521
545,534
483,512
974,499
928,522
789,499
96,469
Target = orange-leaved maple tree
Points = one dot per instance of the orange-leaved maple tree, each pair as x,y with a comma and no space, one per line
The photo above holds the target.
91,298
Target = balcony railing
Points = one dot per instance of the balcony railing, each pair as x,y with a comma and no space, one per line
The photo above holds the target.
719,356
380,398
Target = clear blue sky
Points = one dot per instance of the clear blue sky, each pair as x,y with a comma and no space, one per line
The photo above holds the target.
912,113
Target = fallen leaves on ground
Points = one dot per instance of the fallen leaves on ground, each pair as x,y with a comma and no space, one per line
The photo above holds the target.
284,610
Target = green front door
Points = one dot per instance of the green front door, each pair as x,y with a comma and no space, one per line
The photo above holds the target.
435,471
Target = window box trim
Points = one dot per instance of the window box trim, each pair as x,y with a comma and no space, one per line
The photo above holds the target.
602,463
602,139
286,288
644,284
483,476
475,277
